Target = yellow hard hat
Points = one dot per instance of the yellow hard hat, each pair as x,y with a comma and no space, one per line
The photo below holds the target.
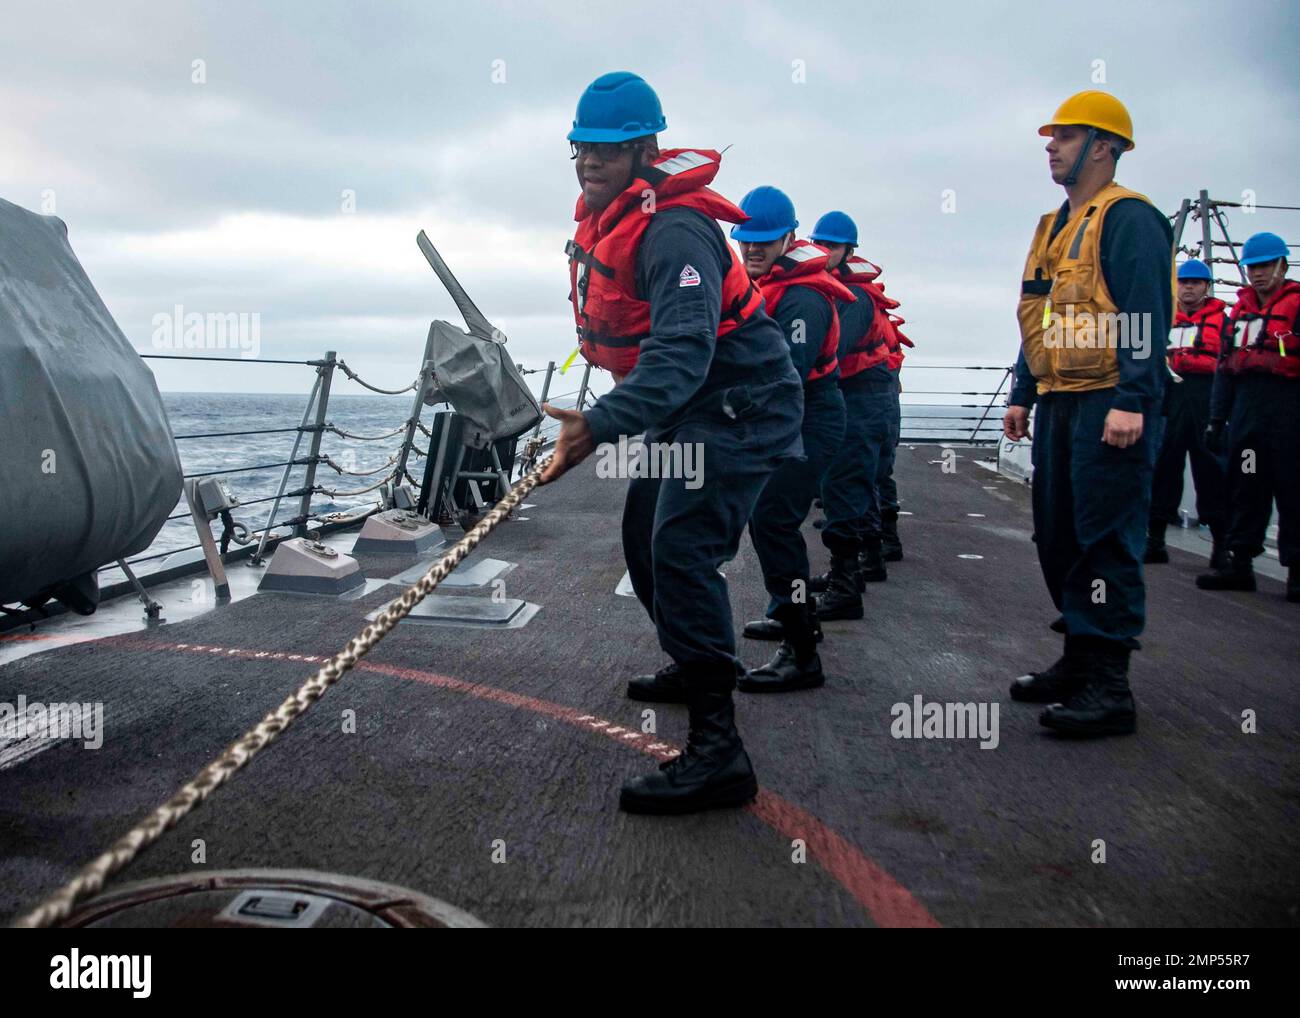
1093,109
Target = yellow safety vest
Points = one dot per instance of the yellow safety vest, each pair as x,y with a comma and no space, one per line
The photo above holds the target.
1066,324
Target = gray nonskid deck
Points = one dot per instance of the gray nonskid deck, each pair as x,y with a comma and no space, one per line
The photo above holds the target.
1198,819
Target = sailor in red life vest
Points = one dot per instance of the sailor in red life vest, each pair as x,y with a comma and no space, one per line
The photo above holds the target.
1199,322
1257,398
886,487
853,531
800,294
660,299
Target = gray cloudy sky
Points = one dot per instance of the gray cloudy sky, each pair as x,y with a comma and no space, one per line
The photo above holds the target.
226,195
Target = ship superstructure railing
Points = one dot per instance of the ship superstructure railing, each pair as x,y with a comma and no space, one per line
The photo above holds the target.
972,416
968,411
1211,214
315,423
945,411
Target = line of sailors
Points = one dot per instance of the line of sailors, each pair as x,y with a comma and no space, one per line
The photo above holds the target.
1233,405
782,365
846,345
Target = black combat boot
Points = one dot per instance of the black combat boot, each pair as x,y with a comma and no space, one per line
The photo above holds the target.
1104,705
1240,575
771,629
667,685
1053,685
712,772
843,596
820,583
1293,584
873,561
797,664
1157,553
890,545
1219,559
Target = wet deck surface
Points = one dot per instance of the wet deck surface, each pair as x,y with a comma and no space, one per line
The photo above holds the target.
471,741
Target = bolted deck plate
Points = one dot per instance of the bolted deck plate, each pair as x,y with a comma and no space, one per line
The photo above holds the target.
480,574
475,612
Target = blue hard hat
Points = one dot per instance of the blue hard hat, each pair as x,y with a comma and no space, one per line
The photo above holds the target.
836,228
771,215
1263,247
615,107
1194,268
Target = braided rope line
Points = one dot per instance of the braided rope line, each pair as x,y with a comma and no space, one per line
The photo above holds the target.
335,493
374,388
367,438
91,878
359,473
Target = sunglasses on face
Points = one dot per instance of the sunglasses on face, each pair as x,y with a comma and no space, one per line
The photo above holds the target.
605,151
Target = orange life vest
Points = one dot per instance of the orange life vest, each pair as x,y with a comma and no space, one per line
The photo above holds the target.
1195,339
804,264
611,319
1264,338
872,348
894,338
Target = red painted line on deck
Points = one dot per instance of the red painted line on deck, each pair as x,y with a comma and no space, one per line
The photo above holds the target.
888,902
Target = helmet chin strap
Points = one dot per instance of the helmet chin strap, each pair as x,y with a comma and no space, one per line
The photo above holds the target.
1273,279
1073,177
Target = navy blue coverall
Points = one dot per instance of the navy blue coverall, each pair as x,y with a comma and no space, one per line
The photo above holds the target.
886,486
1263,415
805,316
1187,412
738,399
849,489
1091,500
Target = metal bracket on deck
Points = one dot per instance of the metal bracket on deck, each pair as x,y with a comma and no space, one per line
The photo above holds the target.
210,553
152,609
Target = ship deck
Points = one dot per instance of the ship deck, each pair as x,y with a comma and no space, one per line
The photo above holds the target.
474,742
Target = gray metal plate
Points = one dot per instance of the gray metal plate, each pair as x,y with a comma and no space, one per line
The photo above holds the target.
480,574
476,612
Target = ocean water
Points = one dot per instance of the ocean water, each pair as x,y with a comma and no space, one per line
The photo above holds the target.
194,414
206,413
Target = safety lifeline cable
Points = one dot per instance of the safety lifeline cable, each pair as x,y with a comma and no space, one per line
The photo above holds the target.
91,878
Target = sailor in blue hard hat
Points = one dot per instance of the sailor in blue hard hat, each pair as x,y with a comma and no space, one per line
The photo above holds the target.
1199,329
662,302
857,492
1256,401
802,297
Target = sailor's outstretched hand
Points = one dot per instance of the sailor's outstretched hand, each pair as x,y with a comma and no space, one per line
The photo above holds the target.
573,445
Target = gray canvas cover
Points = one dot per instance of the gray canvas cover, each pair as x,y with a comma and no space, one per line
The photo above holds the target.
474,371
88,467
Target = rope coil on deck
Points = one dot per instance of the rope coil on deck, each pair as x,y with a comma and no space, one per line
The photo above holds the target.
92,877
